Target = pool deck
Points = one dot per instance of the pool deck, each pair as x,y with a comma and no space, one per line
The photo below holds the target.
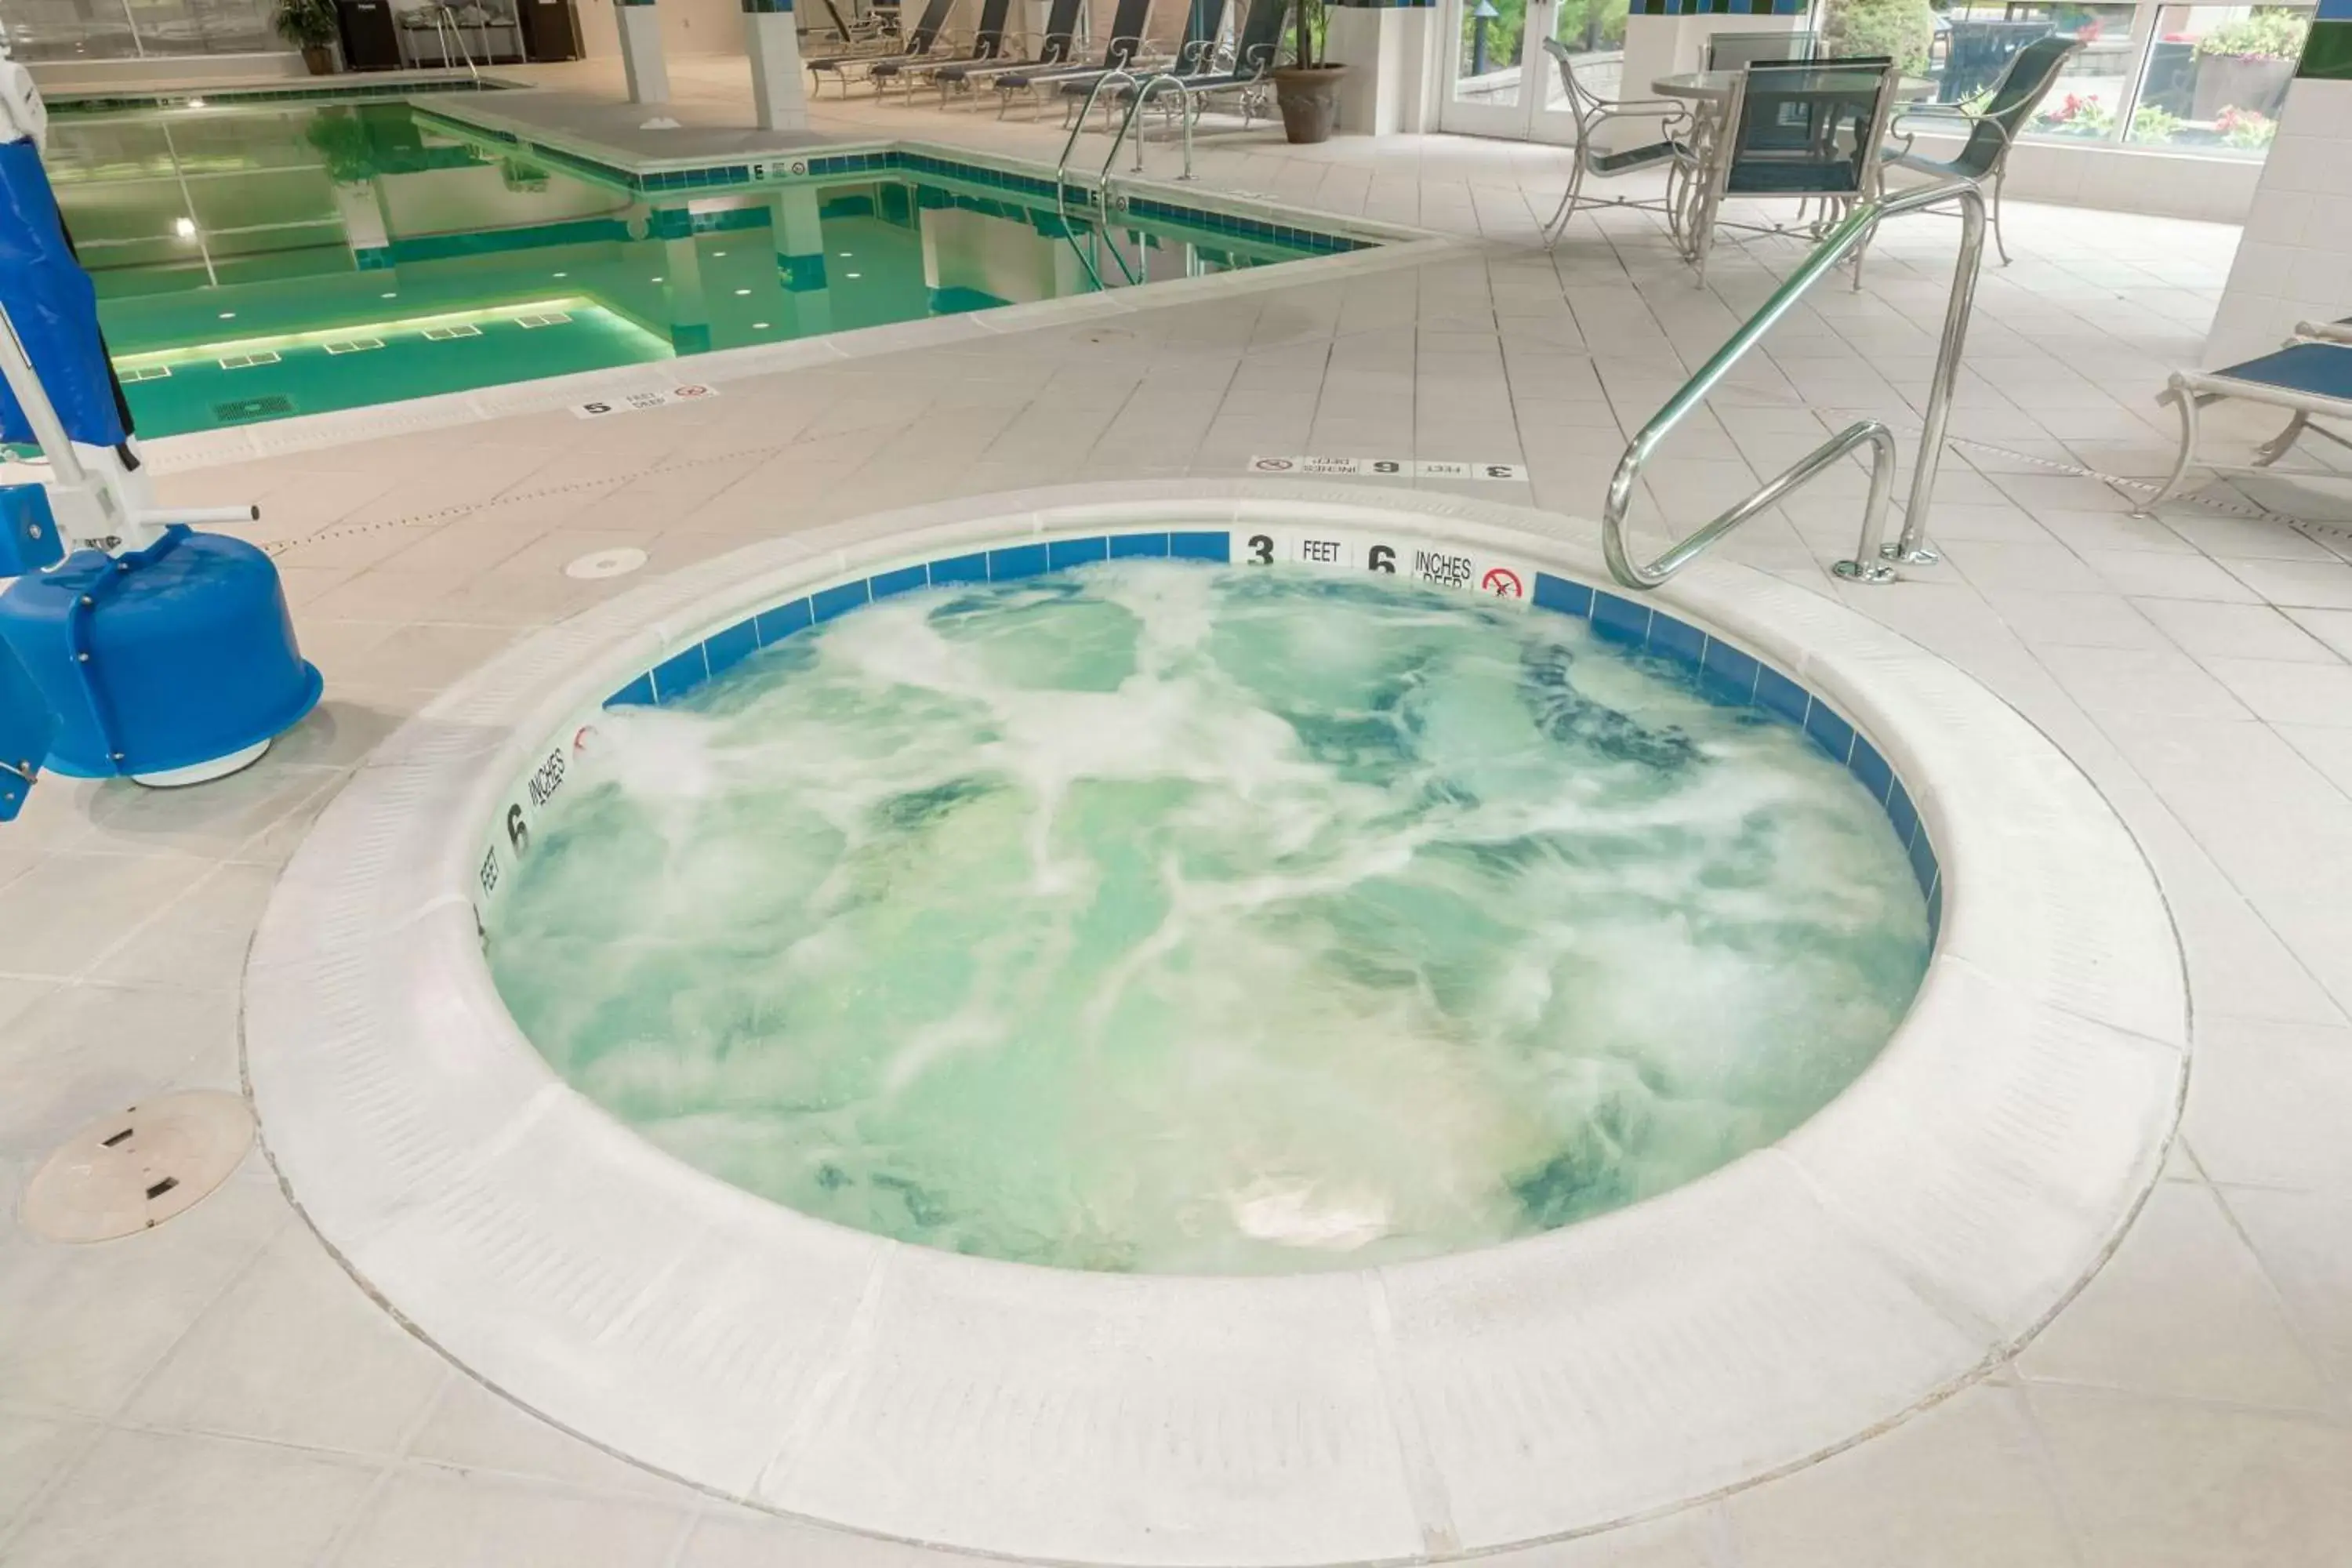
218,1392
630,134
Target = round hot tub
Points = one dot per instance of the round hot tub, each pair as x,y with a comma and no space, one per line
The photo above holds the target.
1284,1027
1159,916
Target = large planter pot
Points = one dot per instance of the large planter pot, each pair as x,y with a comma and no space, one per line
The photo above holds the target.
1308,97
321,59
2258,82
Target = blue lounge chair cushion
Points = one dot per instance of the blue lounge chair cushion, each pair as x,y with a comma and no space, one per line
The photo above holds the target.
2317,370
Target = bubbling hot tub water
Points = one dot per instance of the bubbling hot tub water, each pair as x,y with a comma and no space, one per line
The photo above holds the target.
1189,920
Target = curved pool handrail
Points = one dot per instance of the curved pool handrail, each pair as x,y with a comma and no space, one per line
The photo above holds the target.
1184,115
1869,563
1102,188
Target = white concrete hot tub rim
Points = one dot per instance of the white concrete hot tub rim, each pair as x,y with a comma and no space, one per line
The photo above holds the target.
1894,1247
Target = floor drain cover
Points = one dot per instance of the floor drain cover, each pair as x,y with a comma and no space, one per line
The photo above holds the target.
244,408
135,1170
607,563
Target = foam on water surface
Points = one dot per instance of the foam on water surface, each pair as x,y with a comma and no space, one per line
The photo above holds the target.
1183,919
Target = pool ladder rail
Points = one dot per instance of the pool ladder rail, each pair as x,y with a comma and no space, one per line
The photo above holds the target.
1870,557
1145,86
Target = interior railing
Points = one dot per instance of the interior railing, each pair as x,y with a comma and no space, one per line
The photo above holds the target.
1870,557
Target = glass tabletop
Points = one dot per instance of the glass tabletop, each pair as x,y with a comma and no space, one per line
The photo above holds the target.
1715,87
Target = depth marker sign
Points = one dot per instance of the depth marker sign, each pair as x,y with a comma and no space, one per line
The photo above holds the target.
630,402
1387,468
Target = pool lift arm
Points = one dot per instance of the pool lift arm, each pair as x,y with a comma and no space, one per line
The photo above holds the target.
129,644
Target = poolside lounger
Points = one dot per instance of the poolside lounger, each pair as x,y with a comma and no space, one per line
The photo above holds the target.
870,34
2311,377
987,43
1261,38
1125,42
919,43
1061,33
1204,25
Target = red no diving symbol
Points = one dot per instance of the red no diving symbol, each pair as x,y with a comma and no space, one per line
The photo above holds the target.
1502,582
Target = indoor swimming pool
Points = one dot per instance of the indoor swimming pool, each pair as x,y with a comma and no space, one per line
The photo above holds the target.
260,261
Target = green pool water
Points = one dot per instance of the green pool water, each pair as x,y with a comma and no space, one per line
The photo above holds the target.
1193,919
259,262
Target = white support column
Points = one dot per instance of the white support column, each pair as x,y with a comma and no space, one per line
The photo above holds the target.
1369,41
2290,266
1392,53
641,52
798,231
771,41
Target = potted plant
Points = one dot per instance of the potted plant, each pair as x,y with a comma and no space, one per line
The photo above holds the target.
2248,63
1307,89
341,137
310,27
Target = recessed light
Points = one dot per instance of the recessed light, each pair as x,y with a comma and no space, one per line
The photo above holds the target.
853,275
394,295
846,255
741,292
661,279
185,226
563,274
758,326
228,315
716,254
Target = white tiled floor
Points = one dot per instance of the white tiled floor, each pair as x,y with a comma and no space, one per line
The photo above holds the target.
217,1392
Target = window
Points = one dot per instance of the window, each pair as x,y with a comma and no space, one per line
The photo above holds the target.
135,29
2217,76
2207,79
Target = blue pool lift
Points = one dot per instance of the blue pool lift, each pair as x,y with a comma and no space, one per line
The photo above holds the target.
130,645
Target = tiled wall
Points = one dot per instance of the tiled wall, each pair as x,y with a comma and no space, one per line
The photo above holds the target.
2295,260
1719,670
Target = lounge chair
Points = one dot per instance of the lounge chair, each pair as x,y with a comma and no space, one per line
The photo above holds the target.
1061,32
1204,26
1126,44
987,43
869,34
919,43
2311,377
1254,55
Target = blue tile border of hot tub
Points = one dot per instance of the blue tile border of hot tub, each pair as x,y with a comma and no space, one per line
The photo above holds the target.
1722,673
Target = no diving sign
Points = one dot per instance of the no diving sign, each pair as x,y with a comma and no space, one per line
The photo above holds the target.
630,402
1387,468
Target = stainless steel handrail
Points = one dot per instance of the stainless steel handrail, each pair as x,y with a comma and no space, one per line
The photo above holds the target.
1151,84
1102,186
1870,556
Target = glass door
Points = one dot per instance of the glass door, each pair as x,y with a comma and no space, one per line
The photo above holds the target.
1501,82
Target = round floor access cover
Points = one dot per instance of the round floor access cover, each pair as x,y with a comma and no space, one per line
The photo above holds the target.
133,1170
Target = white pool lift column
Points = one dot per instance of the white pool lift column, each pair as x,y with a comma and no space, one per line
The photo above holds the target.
133,645
642,64
773,41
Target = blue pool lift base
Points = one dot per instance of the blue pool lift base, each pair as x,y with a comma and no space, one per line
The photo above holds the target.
168,665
